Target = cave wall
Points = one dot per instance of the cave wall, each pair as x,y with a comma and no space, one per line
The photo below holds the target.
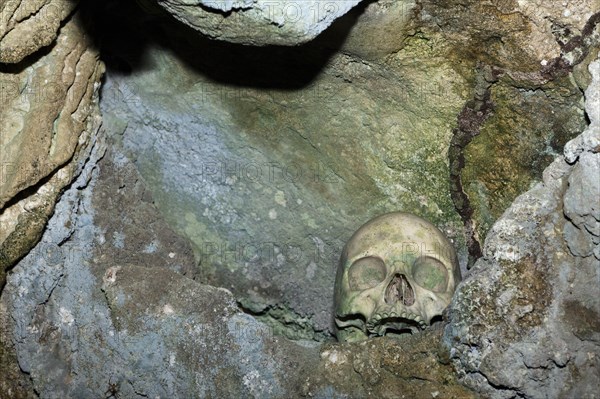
190,244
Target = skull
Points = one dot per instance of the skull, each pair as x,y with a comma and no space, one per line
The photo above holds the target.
397,274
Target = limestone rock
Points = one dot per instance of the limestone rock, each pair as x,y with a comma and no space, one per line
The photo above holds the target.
589,140
413,367
26,26
525,51
522,36
259,22
137,329
522,123
581,204
49,114
526,319
269,176
140,326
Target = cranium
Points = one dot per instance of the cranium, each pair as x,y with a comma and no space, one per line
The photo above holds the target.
397,274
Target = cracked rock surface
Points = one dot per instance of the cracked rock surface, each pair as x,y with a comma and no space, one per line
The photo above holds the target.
525,321
49,113
89,319
93,318
258,22
29,25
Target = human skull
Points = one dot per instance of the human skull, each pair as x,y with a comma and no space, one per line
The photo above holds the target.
397,274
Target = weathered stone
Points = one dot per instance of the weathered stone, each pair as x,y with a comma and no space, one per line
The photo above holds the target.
49,112
113,302
589,140
525,320
90,325
579,243
28,25
269,183
377,29
523,122
259,22
522,54
581,200
525,36
413,367
48,115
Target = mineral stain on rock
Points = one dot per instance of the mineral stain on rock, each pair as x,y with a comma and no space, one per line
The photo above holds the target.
584,321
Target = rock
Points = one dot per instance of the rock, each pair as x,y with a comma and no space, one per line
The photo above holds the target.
581,204
579,243
107,317
27,26
259,22
509,80
196,250
589,140
523,122
49,113
526,319
48,117
533,32
240,160
377,29
90,322
414,367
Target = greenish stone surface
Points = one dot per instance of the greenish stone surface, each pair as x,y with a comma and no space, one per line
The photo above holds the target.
269,173
527,130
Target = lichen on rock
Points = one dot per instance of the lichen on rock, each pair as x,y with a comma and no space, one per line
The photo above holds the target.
522,321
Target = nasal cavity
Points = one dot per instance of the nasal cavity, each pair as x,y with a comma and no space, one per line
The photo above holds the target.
399,289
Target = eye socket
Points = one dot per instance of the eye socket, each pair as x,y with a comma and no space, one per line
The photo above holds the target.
430,273
366,273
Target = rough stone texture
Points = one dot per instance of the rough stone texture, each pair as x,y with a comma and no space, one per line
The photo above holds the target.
525,104
523,122
269,167
516,35
259,22
276,161
377,28
95,323
415,367
112,302
525,322
28,25
49,112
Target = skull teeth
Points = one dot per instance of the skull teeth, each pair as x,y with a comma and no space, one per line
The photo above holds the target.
378,317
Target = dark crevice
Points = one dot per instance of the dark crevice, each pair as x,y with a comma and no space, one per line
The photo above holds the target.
480,108
436,320
125,34
470,120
